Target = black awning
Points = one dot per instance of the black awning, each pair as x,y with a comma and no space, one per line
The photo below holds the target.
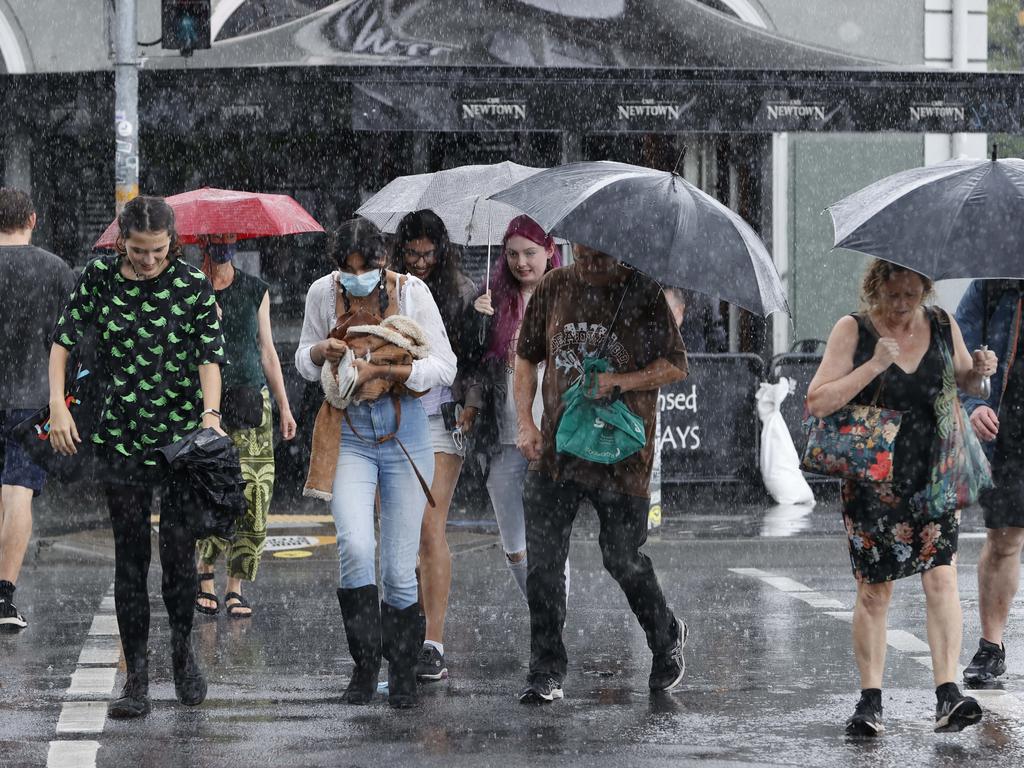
744,101
311,100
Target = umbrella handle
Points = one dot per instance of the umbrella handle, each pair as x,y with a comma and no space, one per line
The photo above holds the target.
487,280
986,381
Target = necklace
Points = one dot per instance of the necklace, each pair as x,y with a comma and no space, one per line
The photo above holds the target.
891,330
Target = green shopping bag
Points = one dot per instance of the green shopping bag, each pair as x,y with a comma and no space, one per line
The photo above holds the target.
601,431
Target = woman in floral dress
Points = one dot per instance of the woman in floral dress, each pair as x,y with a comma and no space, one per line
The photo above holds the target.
895,354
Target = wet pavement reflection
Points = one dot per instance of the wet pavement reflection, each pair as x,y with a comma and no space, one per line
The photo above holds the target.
770,671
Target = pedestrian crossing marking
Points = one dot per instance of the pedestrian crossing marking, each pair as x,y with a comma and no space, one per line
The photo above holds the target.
93,681
104,625
82,717
72,754
281,543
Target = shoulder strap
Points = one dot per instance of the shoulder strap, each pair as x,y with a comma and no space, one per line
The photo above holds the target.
618,309
397,402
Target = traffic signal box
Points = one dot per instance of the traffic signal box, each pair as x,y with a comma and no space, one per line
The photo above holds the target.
185,25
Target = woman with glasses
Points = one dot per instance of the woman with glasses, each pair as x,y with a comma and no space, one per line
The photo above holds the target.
377,445
528,253
422,249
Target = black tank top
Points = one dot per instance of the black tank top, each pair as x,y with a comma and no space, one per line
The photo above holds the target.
913,393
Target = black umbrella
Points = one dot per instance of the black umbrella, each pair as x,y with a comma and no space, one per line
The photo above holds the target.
957,219
659,223
209,463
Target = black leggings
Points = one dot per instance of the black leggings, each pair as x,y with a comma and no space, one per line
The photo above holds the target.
130,508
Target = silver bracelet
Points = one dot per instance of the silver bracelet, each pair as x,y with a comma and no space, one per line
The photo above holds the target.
214,411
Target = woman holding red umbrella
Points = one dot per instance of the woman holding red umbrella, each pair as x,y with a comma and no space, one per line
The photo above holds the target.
244,304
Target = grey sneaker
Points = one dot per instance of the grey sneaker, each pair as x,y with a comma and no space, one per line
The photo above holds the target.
10,619
867,717
541,689
954,711
430,666
989,662
668,667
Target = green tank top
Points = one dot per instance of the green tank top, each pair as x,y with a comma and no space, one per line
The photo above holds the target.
240,304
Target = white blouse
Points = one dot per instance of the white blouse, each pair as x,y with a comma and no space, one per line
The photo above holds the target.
414,300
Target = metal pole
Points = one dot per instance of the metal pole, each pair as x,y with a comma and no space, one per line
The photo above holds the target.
126,106
959,63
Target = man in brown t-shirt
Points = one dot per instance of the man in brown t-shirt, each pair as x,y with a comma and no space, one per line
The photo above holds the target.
566,321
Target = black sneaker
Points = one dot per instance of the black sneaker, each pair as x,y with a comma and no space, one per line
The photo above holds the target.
988,663
954,711
10,619
134,700
430,665
867,717
541,689
668,667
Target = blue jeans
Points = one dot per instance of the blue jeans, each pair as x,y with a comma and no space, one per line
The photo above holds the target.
364,468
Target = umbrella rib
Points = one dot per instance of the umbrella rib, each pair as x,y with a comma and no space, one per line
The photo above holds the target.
973,183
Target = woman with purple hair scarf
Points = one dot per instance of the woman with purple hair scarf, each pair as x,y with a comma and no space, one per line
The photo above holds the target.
528,252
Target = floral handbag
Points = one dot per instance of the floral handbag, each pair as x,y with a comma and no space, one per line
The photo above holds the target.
854,443
959,468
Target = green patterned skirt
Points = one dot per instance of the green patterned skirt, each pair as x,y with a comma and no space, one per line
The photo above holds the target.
244,549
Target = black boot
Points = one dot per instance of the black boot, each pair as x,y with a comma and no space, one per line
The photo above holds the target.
361,614
402,632
134,699
189,683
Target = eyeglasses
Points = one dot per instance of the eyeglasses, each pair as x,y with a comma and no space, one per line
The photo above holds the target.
412,256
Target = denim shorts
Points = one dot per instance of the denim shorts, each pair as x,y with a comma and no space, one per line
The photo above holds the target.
441,439
18,468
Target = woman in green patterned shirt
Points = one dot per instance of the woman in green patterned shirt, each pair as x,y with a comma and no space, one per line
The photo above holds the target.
159,350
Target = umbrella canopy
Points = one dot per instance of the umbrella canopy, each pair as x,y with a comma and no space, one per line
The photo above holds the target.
211,211
457,195
658,222
960,218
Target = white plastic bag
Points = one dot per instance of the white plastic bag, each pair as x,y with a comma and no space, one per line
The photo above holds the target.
780,465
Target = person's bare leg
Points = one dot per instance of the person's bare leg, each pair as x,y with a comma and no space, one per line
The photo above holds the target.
435,558
998,577
870,615
15,530
945,621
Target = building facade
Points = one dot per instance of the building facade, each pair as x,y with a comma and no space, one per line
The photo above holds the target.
778,107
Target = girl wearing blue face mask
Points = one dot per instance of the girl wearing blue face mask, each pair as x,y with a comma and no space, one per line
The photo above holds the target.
243,302
369,460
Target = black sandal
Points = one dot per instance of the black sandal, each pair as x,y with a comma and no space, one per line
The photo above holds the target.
200,595
232,610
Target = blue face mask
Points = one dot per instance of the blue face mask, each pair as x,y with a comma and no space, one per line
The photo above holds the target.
221,253
359,285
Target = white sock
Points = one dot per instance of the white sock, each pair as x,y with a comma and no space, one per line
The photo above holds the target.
435,644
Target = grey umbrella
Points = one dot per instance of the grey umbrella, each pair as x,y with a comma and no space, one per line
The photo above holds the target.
457,195
960,218
659,223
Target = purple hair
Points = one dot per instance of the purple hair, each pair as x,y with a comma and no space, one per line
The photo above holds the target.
506,299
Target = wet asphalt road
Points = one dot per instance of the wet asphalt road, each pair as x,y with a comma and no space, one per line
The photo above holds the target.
770,677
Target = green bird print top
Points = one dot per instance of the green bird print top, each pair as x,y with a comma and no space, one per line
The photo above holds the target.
152,336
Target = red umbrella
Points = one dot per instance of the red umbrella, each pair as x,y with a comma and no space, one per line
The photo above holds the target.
211,211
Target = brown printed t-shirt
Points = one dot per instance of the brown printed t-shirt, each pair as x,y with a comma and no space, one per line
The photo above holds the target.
566,321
